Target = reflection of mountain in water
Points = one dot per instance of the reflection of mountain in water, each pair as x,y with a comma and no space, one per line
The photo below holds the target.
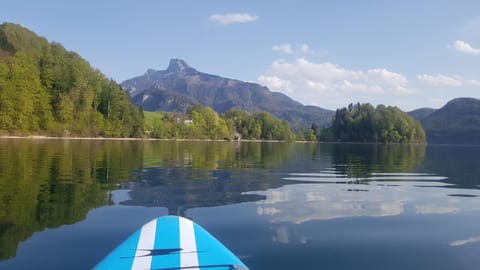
179,189
184,175
459,163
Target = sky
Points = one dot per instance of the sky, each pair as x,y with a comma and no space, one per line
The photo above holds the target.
410,54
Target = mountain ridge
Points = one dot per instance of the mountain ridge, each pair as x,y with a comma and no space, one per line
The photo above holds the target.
421,113
180,86
458,121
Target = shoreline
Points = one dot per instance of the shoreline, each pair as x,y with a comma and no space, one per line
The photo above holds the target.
41,137
44,137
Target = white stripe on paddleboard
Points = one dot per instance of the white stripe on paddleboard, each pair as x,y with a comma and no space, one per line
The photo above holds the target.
188,244
145,245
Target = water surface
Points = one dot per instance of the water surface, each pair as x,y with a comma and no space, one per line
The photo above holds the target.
66,203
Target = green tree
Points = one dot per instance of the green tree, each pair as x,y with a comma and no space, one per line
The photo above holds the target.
364,123
259,125
207,123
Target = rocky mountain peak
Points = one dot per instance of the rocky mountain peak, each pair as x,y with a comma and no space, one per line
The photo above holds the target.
150,71
179,65
180,86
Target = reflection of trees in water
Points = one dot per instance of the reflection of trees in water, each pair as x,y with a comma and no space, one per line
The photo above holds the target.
332,199
459,163
361,160
49,183
215,155
45,184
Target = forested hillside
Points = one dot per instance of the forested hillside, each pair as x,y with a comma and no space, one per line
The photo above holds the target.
45,89
458,122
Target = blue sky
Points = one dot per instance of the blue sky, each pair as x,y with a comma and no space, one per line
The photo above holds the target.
409,54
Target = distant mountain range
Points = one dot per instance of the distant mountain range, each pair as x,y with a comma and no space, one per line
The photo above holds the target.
458,122
181,86
422,113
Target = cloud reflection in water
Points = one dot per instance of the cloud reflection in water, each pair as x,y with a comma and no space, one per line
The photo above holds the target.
323,197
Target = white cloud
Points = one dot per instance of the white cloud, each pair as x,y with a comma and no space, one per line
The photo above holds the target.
440,80
464,47
397,82
447,81
330,85
276,82
285,48
231,18
298,49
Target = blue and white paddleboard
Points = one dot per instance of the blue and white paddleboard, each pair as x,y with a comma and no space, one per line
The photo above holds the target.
170,243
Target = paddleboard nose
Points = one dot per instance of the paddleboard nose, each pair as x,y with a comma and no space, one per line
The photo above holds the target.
171,242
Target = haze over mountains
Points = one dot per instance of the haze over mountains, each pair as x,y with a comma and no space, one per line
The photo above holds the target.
181,86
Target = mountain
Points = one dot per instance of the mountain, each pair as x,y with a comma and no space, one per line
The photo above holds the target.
457,122
422,113
180,86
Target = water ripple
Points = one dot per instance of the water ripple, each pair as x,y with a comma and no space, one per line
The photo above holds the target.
338,177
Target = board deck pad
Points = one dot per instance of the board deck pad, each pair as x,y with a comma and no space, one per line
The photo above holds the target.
170,243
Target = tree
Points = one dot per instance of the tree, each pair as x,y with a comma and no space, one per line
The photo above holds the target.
260,125
207,124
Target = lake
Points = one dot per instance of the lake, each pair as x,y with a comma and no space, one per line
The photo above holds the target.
65,204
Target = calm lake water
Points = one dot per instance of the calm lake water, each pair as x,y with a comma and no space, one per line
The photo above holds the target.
65,204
